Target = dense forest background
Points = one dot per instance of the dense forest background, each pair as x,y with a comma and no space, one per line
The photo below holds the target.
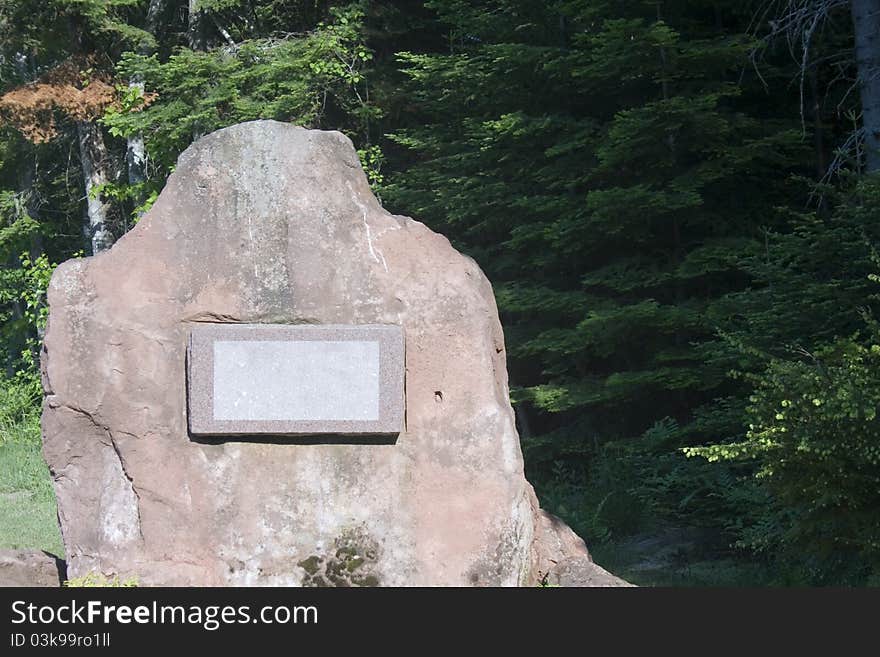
676,201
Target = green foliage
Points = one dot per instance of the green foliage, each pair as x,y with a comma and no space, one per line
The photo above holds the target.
17,224
815,437
312,79
19,413
35,275
140,196
105,18
99,580
23,288
808,347
371,160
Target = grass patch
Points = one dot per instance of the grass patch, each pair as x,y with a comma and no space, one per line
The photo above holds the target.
28,515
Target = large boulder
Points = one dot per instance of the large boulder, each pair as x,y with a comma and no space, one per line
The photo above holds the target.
265,222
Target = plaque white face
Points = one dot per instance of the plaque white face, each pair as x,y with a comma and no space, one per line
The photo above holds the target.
276,379
281,380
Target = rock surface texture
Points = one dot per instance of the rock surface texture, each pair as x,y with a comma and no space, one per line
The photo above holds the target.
30,568
265,222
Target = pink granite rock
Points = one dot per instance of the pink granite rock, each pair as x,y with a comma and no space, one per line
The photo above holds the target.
265,222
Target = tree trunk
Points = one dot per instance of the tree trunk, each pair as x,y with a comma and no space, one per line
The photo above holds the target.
196,37
93,156
196,27
27,179
866,21
28,172
135,149
136,154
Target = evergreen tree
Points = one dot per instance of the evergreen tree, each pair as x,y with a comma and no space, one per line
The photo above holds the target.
313,78
593,157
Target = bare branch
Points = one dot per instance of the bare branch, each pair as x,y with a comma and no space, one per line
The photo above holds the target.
796,22
849,151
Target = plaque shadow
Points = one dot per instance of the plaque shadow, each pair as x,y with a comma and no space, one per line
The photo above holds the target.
313,439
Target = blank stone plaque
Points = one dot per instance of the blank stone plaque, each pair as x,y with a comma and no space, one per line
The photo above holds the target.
274,379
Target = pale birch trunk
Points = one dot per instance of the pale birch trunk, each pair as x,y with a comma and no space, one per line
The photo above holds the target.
136,153
135,149
94,160
866,21
196,38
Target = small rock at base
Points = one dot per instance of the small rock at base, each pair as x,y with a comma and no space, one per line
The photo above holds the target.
19,568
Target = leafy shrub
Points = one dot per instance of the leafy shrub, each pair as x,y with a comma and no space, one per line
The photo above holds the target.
815,436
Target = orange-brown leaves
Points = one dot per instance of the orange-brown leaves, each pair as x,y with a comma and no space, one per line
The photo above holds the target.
72,88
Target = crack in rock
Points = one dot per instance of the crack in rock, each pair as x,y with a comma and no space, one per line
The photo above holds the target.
115,446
